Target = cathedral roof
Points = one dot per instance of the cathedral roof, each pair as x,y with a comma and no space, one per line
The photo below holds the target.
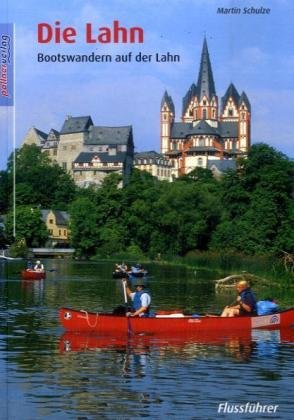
189,95
244,98
228,128
168,100
109,135
205,84
203,149
180,130
76,124
202,127
230,93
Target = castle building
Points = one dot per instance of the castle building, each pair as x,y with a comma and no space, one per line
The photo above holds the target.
87,152
155,163
207,132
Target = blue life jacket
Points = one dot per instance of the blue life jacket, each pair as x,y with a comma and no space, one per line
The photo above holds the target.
266,307
248,297
137,304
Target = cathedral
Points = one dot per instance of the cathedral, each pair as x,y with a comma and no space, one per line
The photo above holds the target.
208,135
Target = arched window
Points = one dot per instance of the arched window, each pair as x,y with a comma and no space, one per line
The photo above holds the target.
200,161
204,114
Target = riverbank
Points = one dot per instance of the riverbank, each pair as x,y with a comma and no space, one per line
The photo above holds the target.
266,273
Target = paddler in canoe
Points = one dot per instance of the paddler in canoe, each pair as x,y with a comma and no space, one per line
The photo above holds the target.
245,302
39,266
141,298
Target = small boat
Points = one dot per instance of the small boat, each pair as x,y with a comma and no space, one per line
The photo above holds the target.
137,271
33,274
165,322
132,274
119,274
138,274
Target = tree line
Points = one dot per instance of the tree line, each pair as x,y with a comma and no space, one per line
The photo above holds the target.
249,211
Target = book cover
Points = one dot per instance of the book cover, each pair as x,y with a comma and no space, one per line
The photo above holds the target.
182,83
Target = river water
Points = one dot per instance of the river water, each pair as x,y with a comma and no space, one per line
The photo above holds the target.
49,374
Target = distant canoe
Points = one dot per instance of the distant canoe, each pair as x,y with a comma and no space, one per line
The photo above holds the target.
33,275
124,274
119,274
136,274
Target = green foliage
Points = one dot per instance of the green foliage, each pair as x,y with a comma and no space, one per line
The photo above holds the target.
83,226
258,205
134,252
5,189
248,211
19,249
39,182
29,226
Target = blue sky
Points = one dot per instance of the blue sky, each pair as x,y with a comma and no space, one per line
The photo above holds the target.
256,53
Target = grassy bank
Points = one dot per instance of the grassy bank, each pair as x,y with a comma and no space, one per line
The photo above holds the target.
272,279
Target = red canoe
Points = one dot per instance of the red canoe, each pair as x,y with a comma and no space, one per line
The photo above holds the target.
169,323
33,275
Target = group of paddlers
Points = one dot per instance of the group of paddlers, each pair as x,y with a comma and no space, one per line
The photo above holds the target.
245,304
135,270
38,266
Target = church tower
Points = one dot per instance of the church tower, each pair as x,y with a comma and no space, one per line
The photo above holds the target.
167,116
236,109
206,136
244,123
201,101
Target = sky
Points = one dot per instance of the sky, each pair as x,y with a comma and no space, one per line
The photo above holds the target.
255,52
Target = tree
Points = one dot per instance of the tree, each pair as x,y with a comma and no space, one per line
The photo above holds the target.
83,226
5,190
258,201
29,226
39,181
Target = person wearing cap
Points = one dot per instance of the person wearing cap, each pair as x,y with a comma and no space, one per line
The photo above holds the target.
39,266
245,302
141,298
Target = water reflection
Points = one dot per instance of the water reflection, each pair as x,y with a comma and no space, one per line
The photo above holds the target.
241,345
48,374
34,289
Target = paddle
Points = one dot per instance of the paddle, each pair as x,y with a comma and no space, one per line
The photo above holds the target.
125,293
124,282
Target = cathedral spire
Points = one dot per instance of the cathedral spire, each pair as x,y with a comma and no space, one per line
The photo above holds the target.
205,84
